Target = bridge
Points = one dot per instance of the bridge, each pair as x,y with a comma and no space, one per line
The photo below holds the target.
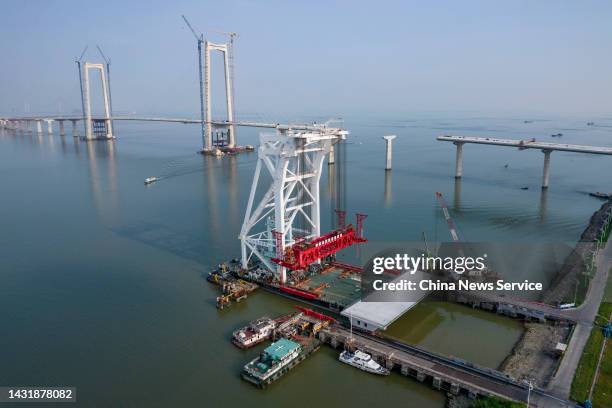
545,147
25,123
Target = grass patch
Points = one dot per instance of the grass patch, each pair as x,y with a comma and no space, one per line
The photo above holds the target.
608,291
492,402
583,378
602,394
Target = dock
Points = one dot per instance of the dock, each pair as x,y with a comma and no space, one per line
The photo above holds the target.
446,374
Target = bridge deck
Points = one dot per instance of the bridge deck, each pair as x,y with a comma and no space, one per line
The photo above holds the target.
527,144
296,126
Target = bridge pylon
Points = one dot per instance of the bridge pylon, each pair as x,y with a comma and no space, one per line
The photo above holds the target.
229,138
95,128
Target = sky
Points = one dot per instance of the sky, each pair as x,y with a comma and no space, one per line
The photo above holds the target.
300,58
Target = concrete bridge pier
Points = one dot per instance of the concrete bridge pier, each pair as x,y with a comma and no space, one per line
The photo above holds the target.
459,161
38,126
62,131
389,140
546,175
455,389
49,126
29,126
389,364
74,128
332,156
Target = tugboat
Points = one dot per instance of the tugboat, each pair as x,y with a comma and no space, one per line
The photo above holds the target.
363,361
256,332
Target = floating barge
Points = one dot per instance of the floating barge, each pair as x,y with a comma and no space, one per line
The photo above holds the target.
277,359
332,286
295,340
224,150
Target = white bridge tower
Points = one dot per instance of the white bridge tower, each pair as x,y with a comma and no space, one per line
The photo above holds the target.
289,209
95,128
226,50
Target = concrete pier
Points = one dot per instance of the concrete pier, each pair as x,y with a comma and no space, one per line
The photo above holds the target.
62,131
459,160
332,155
39,126
546,174
49,126
389,156
74,128
444,374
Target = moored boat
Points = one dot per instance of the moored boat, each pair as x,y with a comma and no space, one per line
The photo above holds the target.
275,360
256,332
363,361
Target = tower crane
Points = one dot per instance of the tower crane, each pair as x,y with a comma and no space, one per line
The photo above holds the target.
453,231
451,224
78,63
200,40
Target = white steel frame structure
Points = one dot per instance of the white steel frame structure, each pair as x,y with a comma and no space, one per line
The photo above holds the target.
229,98
294,161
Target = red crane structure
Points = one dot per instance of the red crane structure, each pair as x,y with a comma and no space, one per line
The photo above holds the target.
301,254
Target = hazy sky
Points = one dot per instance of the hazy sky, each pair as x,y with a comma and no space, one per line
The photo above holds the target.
318,57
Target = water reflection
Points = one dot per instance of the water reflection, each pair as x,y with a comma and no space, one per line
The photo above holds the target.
387,194
211,195
230,163
543,205
101,157
457,195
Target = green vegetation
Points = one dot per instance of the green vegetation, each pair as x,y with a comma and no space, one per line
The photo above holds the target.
608,292
607,230
581,286
583,378
492,402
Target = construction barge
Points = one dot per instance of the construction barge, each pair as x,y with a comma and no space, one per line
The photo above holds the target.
330,285
295,339
233,287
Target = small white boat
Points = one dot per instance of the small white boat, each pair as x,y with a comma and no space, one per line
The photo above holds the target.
150,180
363,361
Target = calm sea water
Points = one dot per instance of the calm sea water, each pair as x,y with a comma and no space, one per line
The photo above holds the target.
100,277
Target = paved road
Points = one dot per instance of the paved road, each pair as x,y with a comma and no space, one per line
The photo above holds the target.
584,316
